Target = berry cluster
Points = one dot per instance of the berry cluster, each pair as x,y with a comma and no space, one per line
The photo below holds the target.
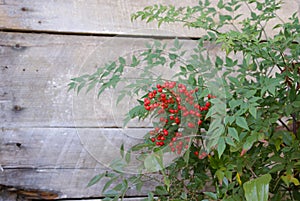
179,113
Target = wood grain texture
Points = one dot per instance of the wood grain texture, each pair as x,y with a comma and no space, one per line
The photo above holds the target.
94,16
83,148
99,16
36,69
58,183
53,142
49,162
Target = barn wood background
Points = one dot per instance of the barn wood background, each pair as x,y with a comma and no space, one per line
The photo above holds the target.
43,44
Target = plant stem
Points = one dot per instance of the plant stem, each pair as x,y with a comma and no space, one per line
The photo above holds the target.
294,123
283,124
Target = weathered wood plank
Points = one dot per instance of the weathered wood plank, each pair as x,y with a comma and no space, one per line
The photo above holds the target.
64,147
57,183
36,68
98,16
61,160
94,16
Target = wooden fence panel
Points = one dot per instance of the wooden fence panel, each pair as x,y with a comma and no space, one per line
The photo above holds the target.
98,16
36,69
50,139
59,160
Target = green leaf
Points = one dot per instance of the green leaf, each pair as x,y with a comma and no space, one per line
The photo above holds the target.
140,146
122,150
233,133
241,122
220,4
229,141
219,62
153,162
257,189
128,156
229,119
122,61
211,195
173,56
108,183
221,146
161,190
177,45
234,103
253,111
134,61
111,193
95,179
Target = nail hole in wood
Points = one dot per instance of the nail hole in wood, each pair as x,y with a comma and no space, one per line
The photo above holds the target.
24,9
18,144
17,108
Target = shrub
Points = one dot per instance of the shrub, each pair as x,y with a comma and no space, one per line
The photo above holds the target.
235,136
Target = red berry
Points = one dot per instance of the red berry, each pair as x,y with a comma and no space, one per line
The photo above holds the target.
186,113
172,117
166,132
199,122
159,90
192,112
177,120
207,104
205,108
171,111
153,139
191,125
209,96
147,107
158,86
196,153
151,95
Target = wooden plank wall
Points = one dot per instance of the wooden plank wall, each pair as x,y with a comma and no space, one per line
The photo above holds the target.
43,128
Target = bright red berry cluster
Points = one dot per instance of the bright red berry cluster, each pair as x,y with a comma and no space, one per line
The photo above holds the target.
179,114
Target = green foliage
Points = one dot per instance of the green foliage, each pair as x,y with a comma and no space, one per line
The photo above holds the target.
248,144
258,188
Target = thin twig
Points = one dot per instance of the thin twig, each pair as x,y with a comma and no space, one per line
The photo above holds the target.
294,123
283,124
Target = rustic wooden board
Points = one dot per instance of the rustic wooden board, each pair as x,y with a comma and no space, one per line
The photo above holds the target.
63,147
59,160
36,68
97,16
57,183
